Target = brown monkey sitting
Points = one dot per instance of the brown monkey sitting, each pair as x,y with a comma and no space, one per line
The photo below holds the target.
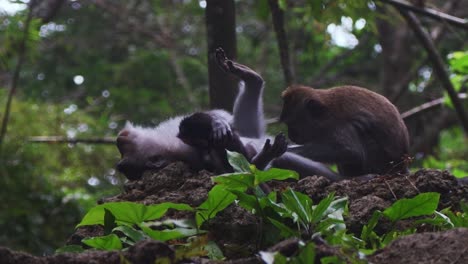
359,130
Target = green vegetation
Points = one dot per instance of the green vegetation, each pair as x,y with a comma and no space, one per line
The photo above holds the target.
88,68
292,215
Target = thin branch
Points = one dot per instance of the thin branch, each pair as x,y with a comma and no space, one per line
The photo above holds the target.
16,73
436,34
61,140
278,24
434,14
427,106
438,64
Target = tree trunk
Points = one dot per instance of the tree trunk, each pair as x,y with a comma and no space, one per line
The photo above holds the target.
220,25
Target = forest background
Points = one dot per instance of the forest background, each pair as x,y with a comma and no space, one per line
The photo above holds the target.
88,66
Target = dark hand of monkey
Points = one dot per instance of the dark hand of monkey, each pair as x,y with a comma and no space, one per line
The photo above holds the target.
270,152
241,71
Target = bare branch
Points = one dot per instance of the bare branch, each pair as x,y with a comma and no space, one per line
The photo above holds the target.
278,24
16,73
438,65
65,140
434,14
427,106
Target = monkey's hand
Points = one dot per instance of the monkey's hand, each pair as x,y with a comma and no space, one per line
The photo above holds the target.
241,71
270,152
221,134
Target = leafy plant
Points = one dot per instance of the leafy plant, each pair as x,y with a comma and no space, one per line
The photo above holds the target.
420,205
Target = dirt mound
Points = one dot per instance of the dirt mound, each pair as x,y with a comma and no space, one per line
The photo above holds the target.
235,230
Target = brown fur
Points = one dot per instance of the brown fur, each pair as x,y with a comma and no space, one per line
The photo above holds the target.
356,128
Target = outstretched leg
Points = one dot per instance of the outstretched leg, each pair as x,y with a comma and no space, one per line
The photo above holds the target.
248,116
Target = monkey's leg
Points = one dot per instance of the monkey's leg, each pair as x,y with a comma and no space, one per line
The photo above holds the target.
248,116
304,166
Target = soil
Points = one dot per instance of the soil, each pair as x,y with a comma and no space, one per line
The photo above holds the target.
235,230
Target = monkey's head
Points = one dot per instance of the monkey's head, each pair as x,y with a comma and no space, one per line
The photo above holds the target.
304,113
195,130
145,149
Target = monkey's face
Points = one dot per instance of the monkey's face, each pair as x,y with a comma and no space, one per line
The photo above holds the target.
305,120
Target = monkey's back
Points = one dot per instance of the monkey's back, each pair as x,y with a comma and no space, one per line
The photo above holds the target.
377,122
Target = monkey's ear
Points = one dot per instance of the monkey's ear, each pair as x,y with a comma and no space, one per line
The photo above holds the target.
315,107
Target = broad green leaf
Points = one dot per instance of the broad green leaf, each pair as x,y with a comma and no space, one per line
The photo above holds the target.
274,174
238,162
218,199
109,242
169,234
422,204
128,213
130,232
69,249
235,181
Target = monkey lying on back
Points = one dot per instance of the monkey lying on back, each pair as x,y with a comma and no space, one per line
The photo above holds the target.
244,131
359,130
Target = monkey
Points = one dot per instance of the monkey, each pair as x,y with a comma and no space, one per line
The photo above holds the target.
198,127
359,130
153,148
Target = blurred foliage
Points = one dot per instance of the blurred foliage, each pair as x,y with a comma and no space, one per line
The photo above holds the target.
451,153
93,67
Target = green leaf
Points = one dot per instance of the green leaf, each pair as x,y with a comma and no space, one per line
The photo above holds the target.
235,181
109,221
109,242
321,210
130,232
214,252
459,61
169,234
238,162
129,213
300,204
422,204
218,199
307,254
247,201
69,249
274,174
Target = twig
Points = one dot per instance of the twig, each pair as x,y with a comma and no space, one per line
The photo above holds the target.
426,106
390,189
61,140
434,14
16,73
278,24
438,64
436,33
